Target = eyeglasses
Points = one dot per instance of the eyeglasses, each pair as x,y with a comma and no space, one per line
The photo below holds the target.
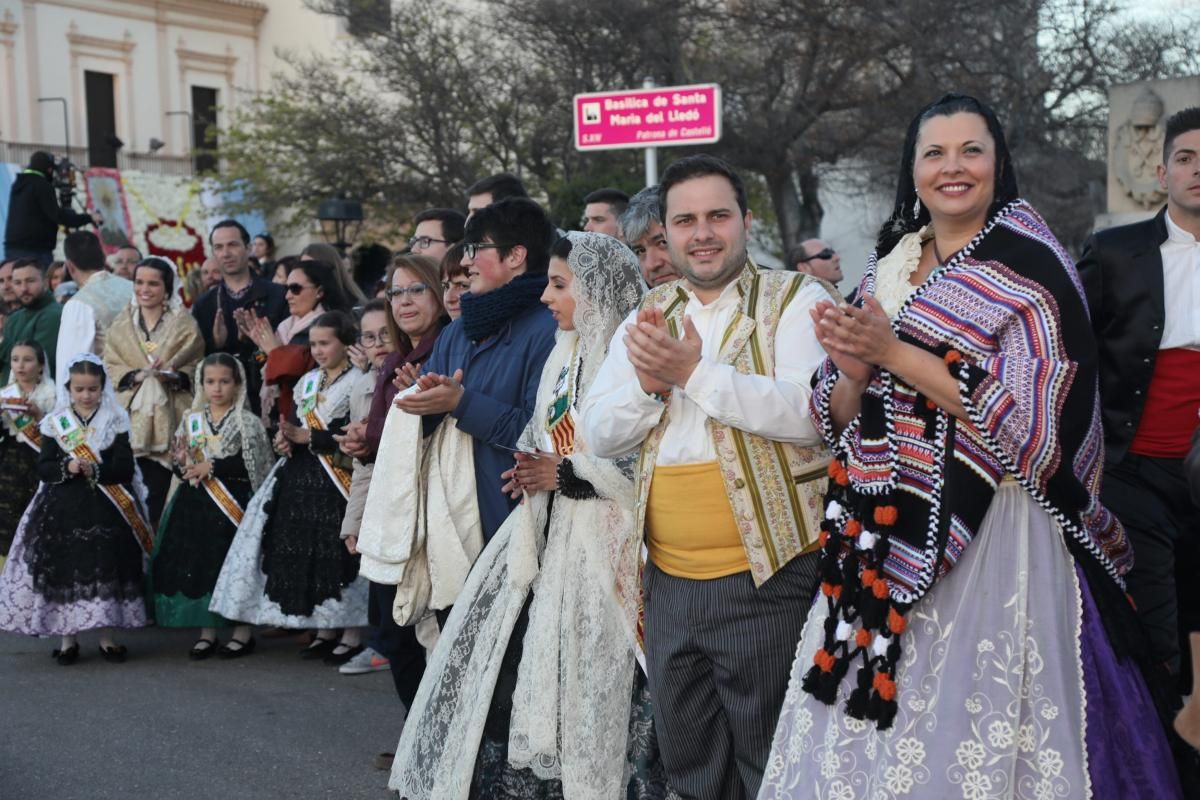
827,253
470,249
423,242
412,290
370,339
297,288
458,286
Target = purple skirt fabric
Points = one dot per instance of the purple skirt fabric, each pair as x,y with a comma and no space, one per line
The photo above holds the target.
1128,755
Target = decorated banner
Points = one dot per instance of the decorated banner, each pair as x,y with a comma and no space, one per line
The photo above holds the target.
105,196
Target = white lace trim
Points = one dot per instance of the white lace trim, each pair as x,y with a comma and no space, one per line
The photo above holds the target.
894,271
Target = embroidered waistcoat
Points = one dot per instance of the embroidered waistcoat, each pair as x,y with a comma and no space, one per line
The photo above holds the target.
774,488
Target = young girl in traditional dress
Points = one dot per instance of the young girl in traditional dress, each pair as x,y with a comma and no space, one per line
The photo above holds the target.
77,561
222,455
287,565
22,404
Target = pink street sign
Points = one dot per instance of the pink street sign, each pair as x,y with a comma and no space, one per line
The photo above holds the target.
664,116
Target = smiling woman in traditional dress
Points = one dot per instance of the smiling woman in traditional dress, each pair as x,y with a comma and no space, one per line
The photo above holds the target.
287,565
77,561
22,405
151,351
222,455
558,667
971,638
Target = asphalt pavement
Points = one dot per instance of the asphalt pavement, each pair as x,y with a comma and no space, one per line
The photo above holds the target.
269,725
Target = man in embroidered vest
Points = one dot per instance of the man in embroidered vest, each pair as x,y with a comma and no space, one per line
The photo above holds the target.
101,296
1143,292
710,383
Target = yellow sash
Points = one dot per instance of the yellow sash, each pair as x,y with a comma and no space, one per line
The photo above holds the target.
217,491
27,430
122,498
340,477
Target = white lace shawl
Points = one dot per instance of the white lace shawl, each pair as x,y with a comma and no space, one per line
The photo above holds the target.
892,286
572,700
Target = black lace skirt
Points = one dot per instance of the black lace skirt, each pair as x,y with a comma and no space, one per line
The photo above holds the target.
303,556
194,539
79,547
18,483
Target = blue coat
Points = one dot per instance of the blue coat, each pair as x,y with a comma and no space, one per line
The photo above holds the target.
500,383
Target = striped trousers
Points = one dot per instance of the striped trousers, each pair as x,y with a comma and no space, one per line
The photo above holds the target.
718,656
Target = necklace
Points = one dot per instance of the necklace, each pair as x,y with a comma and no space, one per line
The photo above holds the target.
85,422
214,424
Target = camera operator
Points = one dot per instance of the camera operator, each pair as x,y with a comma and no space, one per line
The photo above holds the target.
34,214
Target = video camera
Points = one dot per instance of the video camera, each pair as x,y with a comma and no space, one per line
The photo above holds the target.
63,178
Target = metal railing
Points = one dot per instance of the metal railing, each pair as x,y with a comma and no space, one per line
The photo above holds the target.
151,163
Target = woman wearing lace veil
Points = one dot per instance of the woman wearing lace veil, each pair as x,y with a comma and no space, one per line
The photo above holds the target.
77,561
222,455
971,637
151,351
528,691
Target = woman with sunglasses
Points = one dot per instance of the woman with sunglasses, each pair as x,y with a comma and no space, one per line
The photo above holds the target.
312,289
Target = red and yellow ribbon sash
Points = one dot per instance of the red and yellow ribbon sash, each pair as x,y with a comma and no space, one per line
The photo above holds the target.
340,477
217,491
74,441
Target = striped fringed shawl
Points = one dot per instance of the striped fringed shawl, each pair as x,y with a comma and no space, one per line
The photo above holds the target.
910,484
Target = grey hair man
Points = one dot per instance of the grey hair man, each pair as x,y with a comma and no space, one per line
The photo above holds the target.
642,229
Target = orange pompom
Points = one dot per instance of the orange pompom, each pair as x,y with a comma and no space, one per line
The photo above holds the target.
952,357
929,404
880,589
824,660
863,637
885,686
853,528
823,538
837,593
896,622
886,515
868,577
827,588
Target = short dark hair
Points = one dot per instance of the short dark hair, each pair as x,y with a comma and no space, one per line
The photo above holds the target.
452,222
512,222
21,263
83,249
159,265
700,166
616,199
342,324
221,360
500,186
1179,123
270,240
451,266
374,304
128,246
231,223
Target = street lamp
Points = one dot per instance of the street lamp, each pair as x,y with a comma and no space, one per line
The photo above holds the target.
340,218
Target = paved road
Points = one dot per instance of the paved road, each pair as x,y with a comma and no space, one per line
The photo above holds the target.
160,726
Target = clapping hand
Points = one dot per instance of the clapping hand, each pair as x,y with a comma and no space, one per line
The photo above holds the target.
195,473
406,376
856,339
662,361
438,394
354,441
533,472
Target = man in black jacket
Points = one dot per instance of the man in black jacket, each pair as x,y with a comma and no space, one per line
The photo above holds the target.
34,214
239,288
1143,291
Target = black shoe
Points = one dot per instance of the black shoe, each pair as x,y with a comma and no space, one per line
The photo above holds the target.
66,658
115,654
202,649
318,649
336,658
235,648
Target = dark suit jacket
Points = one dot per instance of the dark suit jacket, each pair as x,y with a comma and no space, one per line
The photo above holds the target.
1122,275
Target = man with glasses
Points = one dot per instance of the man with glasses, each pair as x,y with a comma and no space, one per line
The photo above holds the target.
815,257
239,289
436,231
124,260
485,367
